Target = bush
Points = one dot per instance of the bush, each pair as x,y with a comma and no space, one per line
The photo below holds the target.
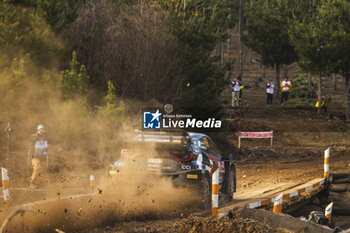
301,87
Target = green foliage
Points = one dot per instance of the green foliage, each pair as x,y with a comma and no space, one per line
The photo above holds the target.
21,73
13,78
199,27
268,29
323,45
334,23
311,39
57,13
22,32
110,98
75,80
113,112
302,88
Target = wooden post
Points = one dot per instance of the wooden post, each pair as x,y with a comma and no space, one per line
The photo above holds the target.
239,142
271,141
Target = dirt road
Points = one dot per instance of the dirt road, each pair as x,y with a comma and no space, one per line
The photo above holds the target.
263,172
296,158
260,171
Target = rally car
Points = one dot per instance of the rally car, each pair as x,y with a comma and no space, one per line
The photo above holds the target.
186,158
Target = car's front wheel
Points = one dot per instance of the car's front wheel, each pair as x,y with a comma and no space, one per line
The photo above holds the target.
205,193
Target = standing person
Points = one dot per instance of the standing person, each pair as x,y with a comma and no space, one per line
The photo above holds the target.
38,154
285,86
240,89
322,104
269,92
236,88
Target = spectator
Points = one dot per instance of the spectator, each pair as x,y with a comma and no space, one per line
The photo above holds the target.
241,89
322,104
285,86
236,88
269,92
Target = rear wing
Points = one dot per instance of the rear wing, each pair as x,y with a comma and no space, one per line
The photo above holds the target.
177,137
160,138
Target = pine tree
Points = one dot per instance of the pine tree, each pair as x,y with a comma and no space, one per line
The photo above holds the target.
199,26
57,13
268,31
23,32
323,44
75,80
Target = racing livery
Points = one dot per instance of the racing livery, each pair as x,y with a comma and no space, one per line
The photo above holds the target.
187,158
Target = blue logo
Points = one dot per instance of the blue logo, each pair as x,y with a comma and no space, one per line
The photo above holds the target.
152,120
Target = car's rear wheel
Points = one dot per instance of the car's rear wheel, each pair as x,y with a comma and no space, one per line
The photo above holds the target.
205,193
231,185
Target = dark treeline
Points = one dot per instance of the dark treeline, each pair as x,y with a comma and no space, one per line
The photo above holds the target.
162,51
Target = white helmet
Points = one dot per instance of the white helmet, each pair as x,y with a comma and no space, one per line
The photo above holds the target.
40,127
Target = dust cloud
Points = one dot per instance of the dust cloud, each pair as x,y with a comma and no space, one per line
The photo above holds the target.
131,196
81,142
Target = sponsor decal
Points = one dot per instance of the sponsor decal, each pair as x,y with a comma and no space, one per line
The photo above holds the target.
192,176
112,172
186,167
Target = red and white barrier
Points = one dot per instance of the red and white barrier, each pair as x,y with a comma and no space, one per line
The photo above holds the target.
326,162
277,204
328,212
215,193
287,196
5,186
255,135
303,190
